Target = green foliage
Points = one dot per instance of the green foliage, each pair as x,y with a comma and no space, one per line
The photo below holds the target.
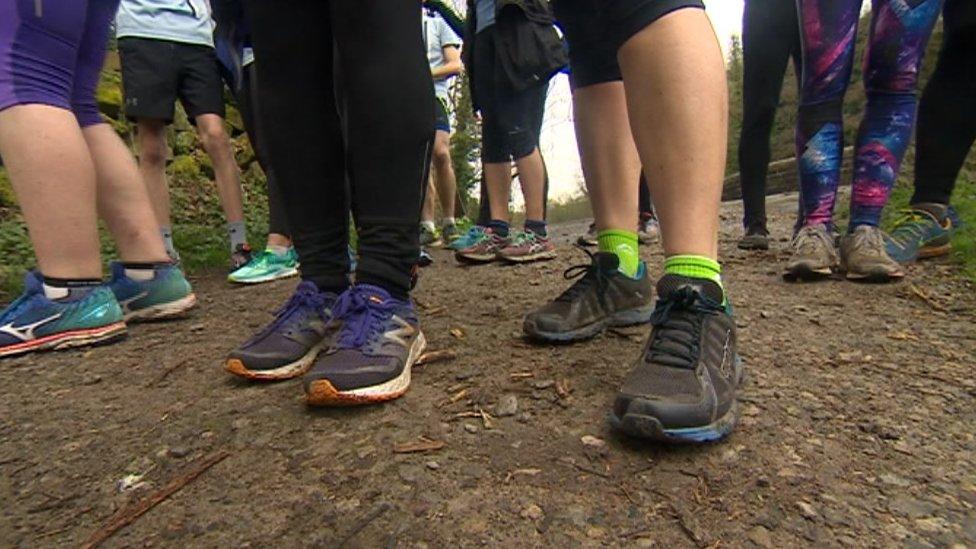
465,142
7,198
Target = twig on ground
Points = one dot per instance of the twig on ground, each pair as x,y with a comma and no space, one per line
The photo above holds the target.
166,373
423,444
128,514
374,514
435,356
927,299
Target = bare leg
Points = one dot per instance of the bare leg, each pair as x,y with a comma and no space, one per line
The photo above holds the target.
151,136
275,239
446,182
123,201
498,179
532,177
217,144
427,212
678,104
53,176
611,165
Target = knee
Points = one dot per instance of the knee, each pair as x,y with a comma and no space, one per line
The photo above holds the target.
442,156
213,137
152,151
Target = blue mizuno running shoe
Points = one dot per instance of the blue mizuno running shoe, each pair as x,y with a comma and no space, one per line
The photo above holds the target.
35,323
167,295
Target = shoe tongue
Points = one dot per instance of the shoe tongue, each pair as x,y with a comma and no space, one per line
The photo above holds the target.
33,282
938,211
671,283
606,261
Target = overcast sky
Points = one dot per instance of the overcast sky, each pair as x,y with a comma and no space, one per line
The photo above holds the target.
558,137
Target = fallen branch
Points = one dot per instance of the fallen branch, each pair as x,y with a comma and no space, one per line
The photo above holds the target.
128,514
928,299
166,373
435,356
374,514
424,444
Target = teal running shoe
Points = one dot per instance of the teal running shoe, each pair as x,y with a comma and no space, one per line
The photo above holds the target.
265,267
468,239
35,323
167,295
923,231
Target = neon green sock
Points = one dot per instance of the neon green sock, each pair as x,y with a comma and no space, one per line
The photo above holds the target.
623,244
694,266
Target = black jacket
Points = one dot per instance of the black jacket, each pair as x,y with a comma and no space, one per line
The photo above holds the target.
529,51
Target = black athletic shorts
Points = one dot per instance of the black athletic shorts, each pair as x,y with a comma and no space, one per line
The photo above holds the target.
596,29
155,73
442,122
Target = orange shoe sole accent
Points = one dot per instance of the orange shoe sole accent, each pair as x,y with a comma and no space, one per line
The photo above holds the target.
237,368
323,393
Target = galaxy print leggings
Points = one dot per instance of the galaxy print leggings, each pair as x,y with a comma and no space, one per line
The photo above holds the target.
900,30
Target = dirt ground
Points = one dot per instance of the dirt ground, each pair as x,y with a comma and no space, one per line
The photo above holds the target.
857,428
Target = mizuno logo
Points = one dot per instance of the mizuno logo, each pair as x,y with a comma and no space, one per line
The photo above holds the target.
26,332
125,303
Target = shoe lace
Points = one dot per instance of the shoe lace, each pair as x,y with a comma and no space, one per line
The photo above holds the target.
524,237
677,322
909,227
589,275
809,239
362,317
305,297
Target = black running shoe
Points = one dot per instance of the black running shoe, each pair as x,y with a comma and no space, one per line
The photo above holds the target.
683,387
756,237
602,298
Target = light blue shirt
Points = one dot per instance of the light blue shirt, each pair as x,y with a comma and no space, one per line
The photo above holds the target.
485,14
186,21
437,36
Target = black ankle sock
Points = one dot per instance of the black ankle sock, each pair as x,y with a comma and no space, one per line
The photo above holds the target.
499,227
145,266
537,227
71,283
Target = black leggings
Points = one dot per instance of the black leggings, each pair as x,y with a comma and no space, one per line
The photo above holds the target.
368,151
247,103
770,37
947,112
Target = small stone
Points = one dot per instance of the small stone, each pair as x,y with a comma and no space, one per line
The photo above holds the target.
807,510
524,417
433,465
592,441
892,479
506,406
762,482
91,379
544,384
178,452
471,428
760,536
533,512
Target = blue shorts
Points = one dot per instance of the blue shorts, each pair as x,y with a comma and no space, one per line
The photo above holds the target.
51,53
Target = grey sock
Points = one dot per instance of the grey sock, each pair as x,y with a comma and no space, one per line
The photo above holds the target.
238,234
167,234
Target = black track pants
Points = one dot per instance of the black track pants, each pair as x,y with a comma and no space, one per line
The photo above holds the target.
947,112
770,37
345,93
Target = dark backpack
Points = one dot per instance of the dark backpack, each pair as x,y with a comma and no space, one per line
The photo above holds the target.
529,52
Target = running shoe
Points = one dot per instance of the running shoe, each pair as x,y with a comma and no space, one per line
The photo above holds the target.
756,237
429,237
240,256
602,297
468,239
449,233
590,237
814,254
377,345
287,347
920,232
33,322
528,246
167,295
649,228
484,250
266,266
425,259
863,256
683,386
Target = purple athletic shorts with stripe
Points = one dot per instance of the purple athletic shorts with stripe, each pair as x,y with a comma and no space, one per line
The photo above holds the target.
51,52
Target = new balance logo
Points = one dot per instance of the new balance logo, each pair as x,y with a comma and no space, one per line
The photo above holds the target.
26,332
401,334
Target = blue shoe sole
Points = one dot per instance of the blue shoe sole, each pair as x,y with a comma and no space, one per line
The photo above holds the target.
622,319
650,428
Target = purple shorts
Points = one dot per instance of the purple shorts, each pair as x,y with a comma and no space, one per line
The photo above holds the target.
51,52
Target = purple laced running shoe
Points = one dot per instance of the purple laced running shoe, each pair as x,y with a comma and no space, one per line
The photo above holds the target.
378,343
287,347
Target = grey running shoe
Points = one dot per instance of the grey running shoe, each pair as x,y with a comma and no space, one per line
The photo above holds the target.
863,256
484,248
378,344
649,228
683,387
589,238
527,246
449,233
814,254
602,298
287,347
755,238
429,237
